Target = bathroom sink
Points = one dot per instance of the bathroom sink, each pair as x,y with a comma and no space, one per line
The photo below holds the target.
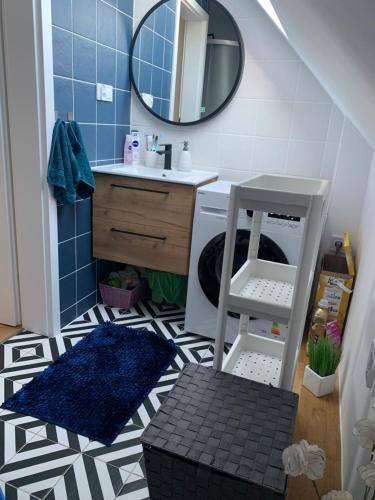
193,178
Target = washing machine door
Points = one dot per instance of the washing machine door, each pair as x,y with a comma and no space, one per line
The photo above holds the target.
211,260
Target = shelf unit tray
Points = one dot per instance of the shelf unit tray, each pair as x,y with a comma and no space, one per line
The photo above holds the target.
264,290
255,358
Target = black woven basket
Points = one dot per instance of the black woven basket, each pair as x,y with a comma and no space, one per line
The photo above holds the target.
219,437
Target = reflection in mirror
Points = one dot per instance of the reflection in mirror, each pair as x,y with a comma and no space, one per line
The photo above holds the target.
187,60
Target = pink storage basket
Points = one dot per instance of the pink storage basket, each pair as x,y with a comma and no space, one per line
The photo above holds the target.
124,299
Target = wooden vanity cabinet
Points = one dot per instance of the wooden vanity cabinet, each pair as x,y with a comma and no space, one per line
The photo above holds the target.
143,222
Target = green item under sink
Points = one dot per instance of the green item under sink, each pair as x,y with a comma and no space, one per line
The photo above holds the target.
167,287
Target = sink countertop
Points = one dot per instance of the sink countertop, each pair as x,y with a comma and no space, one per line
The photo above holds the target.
193,178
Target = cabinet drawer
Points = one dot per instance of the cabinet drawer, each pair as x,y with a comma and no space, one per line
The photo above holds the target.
134,201
163,249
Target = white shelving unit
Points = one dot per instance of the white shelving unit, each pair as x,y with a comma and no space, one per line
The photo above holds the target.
268,290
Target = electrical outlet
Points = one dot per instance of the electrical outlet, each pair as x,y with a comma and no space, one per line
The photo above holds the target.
336,241
370,368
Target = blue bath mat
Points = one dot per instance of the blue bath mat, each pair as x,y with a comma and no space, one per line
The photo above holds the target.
95,387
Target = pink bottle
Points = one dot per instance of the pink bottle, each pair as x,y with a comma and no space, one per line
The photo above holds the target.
128,150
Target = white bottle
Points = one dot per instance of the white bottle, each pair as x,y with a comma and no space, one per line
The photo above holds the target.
185,161
136,145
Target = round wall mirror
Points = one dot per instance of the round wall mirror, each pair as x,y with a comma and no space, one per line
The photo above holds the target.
186,60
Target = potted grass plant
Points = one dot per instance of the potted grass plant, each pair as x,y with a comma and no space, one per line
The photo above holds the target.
320,374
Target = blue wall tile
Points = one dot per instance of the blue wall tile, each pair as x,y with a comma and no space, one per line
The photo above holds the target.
156,106
106,111
106,65
106,24
84,18
126,6
145,75
166,85
68,295
84,250
150,21
169,25
63,90
164,110
106,142
120,135
89,137
168,56
85,102
147,42
68,316
62,13
122,107
86,281
84,59
160,15
158,52
86,304
124,32
154,48
83,217
157,77
123,81
62,52
66,223
97,51
67,257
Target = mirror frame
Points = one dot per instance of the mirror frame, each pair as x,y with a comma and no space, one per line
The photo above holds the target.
236,83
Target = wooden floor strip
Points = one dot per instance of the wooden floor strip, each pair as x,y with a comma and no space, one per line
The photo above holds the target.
318,421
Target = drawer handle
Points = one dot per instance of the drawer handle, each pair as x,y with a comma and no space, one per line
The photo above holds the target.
160,238
140,189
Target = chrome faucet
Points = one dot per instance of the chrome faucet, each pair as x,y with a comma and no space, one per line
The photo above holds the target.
167,152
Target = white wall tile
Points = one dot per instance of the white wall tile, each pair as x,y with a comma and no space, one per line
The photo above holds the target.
335,125
329,160
309,89
258,130
305,158
236,152
266,79
233,175
263,41
274,119
269,155
239,117
243,8
310,120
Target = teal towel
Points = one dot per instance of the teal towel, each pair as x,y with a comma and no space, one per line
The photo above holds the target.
63,173
86,182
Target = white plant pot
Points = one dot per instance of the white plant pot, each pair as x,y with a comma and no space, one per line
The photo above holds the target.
319,386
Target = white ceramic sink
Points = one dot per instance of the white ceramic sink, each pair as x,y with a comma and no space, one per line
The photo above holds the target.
193,178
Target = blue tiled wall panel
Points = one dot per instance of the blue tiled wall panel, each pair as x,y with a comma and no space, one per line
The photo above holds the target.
153,52
91,40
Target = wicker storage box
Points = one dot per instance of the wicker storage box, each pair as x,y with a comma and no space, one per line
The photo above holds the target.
124,299
219,437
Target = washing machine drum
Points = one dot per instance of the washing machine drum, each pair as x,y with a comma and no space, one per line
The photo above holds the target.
211,260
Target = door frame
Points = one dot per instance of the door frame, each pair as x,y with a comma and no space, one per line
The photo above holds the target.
10,312
29,79
192,82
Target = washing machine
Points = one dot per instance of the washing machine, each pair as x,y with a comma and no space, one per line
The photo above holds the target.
280,242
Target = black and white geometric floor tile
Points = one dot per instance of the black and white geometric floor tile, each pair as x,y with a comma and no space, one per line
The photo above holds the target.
42,461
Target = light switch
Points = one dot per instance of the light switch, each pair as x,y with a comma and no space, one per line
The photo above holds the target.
104,92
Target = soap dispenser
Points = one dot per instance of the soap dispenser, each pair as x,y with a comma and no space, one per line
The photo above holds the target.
185,162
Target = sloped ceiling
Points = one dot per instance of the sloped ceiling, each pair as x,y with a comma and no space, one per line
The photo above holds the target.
336,39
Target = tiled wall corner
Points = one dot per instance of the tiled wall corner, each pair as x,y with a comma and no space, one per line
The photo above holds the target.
91,40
